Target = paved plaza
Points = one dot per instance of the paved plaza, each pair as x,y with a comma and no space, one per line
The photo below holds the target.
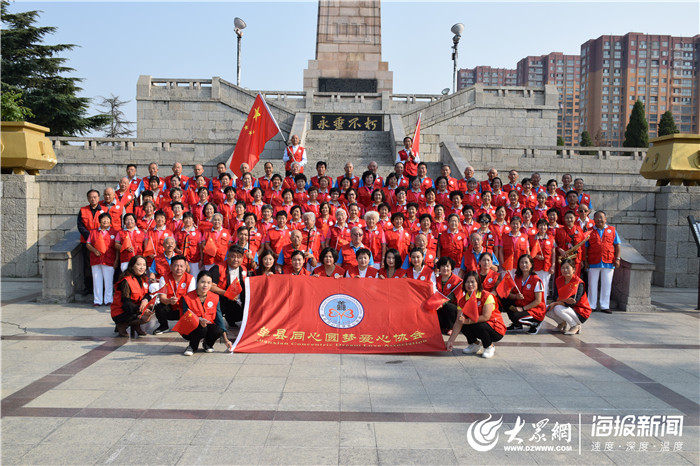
74,394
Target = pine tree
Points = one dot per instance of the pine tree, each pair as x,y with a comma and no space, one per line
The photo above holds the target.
666,124
119,126
33,69
637,132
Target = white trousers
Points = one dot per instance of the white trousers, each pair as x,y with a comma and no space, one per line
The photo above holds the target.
102,287
194,269
560,313
605,276
544,276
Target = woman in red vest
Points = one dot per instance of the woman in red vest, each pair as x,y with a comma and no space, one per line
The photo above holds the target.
417,269
450,285
102,263
392,265
328,267
489,326
525,303
570,309
205,305
489,278
131,298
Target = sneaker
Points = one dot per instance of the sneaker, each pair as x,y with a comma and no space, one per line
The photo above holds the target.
514,328
534,329
208,349
161,330
488,352
189,351
472,348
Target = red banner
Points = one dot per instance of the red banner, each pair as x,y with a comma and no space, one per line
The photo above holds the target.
293,314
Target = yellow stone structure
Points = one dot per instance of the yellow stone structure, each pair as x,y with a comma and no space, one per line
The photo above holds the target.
674,160
25,148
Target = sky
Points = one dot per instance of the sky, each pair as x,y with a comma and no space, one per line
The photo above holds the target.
118,41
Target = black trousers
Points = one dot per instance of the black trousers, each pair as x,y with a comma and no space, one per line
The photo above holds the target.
209,334
518,318
481,331
164,313
447,315
231,310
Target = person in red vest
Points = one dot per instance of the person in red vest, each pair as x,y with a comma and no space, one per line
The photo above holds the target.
602,256
137,239
104,262
418,270
224,276
570,308
294,153
131,299
450,285
328,267
362,269
525,303
296,265
161,264
488,328
408,158
88,221
204,303
125,196
174,285
110,205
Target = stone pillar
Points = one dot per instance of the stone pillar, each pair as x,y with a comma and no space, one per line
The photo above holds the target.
676,255
20,226
348,48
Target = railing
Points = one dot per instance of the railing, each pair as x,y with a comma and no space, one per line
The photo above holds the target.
171,83
129,143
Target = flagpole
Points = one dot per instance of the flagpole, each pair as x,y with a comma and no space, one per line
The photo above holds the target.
273,119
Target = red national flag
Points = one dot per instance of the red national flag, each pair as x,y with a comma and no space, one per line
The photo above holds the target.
126,241
434,302
471,309
536,249
100,244
507,284
416,138
233,290
295,314
259,127
210,247
187,323
148,249
570,289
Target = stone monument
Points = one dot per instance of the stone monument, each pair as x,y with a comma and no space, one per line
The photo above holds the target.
348,49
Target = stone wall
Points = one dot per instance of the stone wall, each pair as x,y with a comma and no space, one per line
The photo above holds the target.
20,229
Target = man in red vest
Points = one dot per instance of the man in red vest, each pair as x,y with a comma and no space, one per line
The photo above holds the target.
174,286
603,255
294,153
408,158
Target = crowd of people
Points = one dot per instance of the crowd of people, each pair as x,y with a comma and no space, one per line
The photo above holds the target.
183,241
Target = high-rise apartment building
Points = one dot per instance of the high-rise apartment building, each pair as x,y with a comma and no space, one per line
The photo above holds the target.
564,72
659,70
486,75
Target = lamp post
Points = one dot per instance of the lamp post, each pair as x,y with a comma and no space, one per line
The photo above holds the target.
239,25
457,30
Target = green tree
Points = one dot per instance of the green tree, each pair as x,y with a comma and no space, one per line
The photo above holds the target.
560,142
37,72
637,132
12,108
666,124
586,141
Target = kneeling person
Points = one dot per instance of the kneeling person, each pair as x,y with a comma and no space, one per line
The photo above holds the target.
174,285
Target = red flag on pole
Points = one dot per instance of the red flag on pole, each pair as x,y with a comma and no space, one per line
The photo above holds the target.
187,323
471,309
259,127
126,241
148,249
210,247
100,244
416,138
507,284
233,290
535,250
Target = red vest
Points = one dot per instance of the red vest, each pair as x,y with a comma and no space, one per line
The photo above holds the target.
115,212
321,271
424,275
188,243
136,237
354,271
138,292
410,167
453,285
528,291
179,289
495,321
513,248
489,281
601,249
349,257
452,245
294,157
90,221
221,238
109,237
206,310
546,247
568,290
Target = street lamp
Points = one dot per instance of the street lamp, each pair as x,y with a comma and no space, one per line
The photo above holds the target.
457,30
239,25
